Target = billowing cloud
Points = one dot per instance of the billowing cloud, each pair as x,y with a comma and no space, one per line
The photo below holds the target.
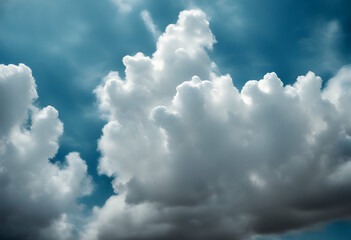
193,157
35,193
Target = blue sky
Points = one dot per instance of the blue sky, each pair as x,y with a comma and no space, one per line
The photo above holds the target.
70,46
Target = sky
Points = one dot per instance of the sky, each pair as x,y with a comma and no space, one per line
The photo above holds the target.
175,119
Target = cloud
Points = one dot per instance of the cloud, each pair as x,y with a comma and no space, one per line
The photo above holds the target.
35,193
322,44
198,159
125,6
145,15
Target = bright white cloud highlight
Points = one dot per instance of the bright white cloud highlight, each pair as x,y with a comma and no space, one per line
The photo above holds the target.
194,158
35,193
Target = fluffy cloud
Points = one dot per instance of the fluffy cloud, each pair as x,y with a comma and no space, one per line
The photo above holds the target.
35,193
194,158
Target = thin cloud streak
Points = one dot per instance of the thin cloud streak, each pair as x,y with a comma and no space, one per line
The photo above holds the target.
145,15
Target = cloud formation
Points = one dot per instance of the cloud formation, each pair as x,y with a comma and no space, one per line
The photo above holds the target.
194,158
35,193
197,159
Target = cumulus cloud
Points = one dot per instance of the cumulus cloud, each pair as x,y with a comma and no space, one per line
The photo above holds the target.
35,193
192,157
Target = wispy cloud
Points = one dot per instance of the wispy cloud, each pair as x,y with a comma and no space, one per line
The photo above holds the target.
149,23
125,6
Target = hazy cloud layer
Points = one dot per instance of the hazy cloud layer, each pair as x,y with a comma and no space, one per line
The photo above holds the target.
35,193
194,158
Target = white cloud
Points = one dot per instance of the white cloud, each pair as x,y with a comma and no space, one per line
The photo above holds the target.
17,88
194,158
35,193
125,6
149,23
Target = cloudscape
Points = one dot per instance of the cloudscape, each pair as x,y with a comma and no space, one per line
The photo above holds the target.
139,120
